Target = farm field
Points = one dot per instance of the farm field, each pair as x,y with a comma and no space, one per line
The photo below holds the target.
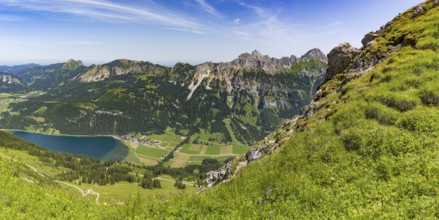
199,148
192,152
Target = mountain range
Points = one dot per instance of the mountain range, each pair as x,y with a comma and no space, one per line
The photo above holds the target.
255,92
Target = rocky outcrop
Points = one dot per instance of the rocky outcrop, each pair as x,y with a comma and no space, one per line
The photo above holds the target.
340,58
10,83
369,38
6,78
436,3
215,177
418,11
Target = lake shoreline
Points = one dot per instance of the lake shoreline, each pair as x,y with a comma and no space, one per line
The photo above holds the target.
102,147
117,137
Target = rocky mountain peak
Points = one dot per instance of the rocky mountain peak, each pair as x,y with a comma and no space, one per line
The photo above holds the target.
256,54
315,54
72,64
247,57
254,60
123,62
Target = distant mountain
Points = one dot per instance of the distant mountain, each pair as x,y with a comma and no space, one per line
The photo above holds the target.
247,97
46,77
17,68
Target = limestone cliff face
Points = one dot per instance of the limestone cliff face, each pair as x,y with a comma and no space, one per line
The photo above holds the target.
245,72
6,78
10,83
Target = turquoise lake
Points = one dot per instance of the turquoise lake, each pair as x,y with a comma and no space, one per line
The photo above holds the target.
101,147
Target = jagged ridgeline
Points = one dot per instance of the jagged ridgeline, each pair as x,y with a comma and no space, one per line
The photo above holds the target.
249,97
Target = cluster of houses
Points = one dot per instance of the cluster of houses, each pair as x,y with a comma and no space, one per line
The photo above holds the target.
142,140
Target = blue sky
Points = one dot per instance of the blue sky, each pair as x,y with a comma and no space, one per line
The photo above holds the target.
194,31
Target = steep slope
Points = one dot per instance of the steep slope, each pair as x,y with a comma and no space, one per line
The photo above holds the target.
25,194
24,200
254,92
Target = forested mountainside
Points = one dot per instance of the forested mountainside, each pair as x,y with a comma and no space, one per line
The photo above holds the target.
366,147
255,92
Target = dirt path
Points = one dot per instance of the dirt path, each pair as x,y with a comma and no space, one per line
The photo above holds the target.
89,191
31,167
84,194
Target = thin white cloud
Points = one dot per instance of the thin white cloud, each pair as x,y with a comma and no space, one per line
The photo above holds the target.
45,41
208,8
11,18
261,12
110,11
266,27
236,21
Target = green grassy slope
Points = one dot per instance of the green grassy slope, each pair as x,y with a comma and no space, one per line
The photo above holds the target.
23,200
370,151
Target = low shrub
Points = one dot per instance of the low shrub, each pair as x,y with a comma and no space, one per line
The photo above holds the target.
429,97
399,102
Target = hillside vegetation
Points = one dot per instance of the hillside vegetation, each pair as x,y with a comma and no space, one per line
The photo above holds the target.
370,150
